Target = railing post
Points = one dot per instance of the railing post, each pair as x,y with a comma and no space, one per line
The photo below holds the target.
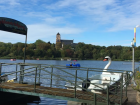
129,75
107,94
39,73
51,76
35,80
126,83
134,73
16,71
0,72
121,89
95,98
21,74
87,77
75,83
115,89
87,72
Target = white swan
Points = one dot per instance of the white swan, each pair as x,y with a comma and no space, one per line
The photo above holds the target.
104,78
100,79
107,58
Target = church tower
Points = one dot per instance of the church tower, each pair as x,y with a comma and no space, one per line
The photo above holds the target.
58,41
58,37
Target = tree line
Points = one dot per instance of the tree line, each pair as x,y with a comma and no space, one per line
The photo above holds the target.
47,50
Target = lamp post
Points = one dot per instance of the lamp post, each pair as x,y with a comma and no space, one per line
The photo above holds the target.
133,43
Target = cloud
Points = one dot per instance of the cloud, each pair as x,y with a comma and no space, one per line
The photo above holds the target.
47,18
62,4
53,20
11,37
14,2
9,7
10,2
48,33
39,31
117,15
114,15
36,14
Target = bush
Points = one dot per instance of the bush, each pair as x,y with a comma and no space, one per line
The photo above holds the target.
137,80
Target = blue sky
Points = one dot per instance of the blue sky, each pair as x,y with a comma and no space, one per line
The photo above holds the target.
97,22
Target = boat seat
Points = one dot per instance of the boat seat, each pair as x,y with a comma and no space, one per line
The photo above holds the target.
106,80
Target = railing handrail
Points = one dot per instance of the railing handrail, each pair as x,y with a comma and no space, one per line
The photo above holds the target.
44,66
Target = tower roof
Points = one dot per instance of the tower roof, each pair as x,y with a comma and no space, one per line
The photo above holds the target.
58,33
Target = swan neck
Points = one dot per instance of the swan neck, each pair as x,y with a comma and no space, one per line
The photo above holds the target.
106,67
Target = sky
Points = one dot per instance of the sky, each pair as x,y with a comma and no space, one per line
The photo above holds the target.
96,22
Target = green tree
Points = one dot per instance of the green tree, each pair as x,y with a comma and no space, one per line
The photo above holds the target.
49,53
86,53
63,53
137,55
38,52
69,52
31,46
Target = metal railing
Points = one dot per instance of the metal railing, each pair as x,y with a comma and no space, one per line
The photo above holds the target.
57,76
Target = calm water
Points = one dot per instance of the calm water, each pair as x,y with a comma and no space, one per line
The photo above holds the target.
120,65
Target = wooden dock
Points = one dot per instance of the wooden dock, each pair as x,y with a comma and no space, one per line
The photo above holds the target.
117,95
80,95
131,94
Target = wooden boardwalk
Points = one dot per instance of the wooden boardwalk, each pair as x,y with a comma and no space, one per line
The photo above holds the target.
131,94
81,95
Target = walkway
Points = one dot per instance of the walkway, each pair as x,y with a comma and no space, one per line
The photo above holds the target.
131,94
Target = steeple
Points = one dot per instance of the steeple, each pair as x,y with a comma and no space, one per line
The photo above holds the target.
58,33
58,41
58,37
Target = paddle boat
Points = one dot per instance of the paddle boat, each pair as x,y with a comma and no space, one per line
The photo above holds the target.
101,80
73,65
68,59
62,59
13,59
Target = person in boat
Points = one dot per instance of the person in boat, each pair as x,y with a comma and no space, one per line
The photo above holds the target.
74,63
71,64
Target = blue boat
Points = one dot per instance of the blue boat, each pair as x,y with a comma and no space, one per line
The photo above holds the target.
73,65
